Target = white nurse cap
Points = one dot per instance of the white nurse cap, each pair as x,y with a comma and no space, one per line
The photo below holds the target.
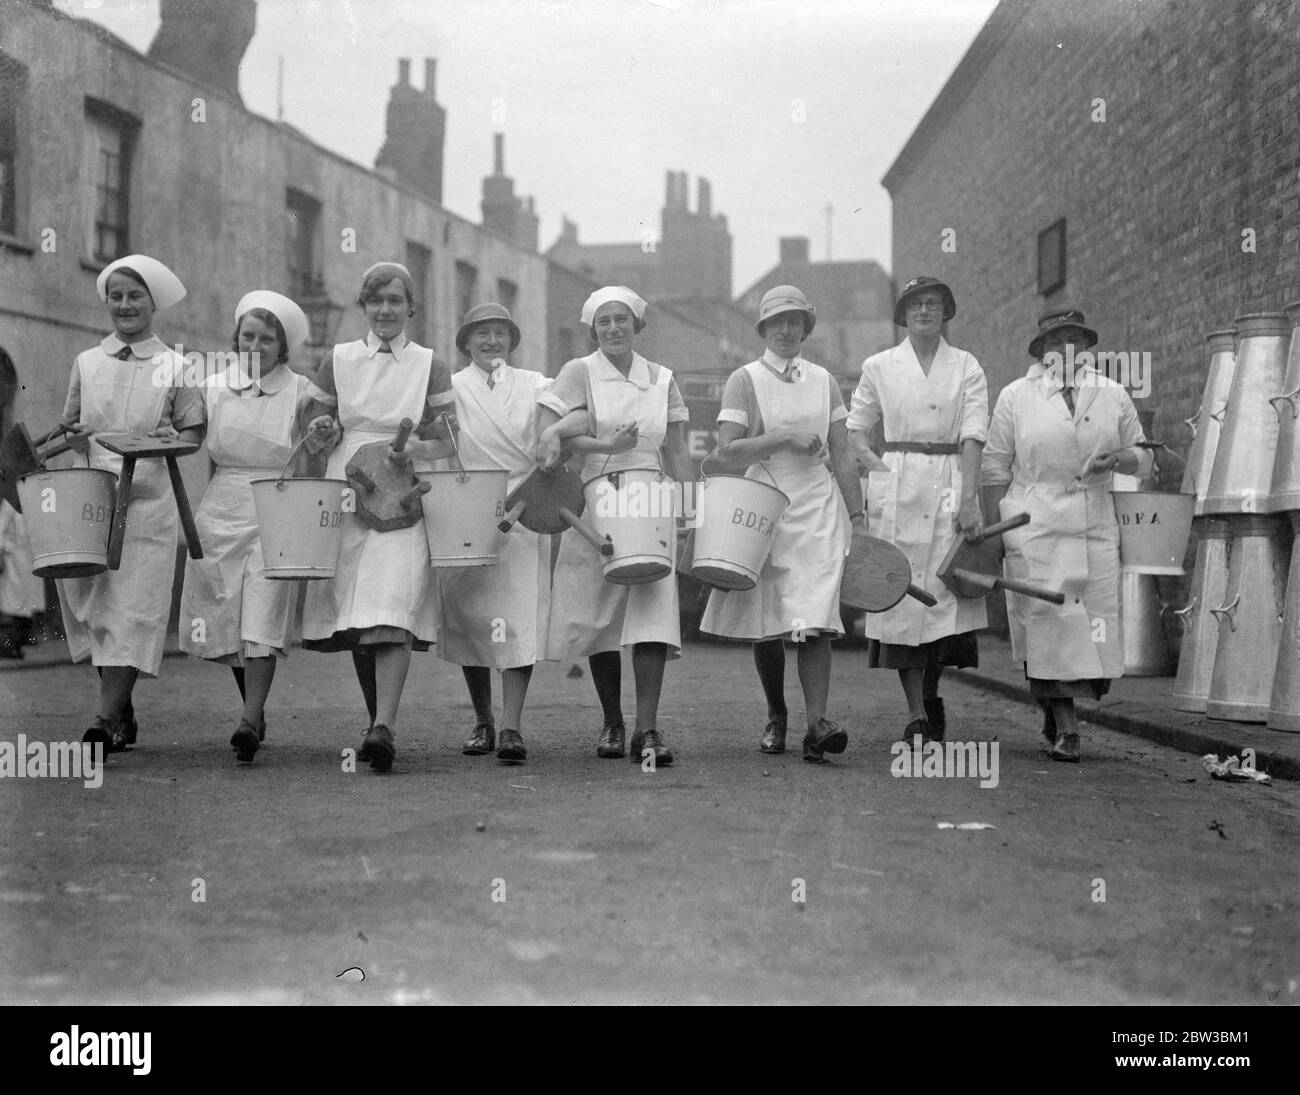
292,318
164,286
620,293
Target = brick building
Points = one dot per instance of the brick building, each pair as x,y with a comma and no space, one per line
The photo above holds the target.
1147,146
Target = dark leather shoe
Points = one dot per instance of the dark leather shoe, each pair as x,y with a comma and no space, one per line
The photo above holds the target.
98,734
652,741
363,753
512,747
610,745
482,741
118,736
935,717
244,739
773,737
825,737
379,748
1066,747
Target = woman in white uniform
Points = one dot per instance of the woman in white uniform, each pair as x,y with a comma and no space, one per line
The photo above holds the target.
494,617
382,599
1055,440
636,421
787,414
130,383
933,402
231,612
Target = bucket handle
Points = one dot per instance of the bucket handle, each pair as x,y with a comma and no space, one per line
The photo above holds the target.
1190,423
1184,614
279,482
1230,611
461,474
755,464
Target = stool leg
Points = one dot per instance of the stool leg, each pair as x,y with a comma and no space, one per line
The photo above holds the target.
183,505
118,533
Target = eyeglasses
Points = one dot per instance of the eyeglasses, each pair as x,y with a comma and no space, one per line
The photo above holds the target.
922,305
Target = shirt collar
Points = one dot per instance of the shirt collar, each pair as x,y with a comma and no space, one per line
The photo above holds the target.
112,345
638,375
373,342
1052,379
790,370
271,383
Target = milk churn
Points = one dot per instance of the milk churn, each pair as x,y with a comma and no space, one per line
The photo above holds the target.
1200,628
1207,423
1284,709
1250,619
1243,462
1284,490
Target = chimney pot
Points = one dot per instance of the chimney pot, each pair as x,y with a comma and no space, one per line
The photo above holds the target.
704,196
430,76
403,72
498,153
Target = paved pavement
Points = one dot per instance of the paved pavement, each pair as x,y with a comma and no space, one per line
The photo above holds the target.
730,877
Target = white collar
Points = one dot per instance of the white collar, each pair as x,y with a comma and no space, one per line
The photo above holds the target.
146,348
638,375
791,369
271,383
373,342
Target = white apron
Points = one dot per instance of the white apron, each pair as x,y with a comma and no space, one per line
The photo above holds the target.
382,578
248,438
914,504
21,592
799,588
120,617
496,615
588,614
1072,540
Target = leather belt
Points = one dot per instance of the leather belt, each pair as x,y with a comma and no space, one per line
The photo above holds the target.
930,448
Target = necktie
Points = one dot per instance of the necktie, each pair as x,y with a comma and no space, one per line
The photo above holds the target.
492,380
1067,393
384,348
124,354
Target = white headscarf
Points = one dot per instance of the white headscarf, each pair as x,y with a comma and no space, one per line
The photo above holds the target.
292,318
164,286
620,293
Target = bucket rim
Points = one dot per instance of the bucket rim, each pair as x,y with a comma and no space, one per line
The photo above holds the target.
301,479
623,471
60,471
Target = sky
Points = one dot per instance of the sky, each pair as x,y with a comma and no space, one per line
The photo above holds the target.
786,106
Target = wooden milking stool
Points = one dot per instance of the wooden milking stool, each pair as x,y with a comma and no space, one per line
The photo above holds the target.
132,447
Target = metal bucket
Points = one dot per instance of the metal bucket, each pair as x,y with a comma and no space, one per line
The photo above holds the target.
1153,530
461,512
1200,628
737,520
1243,462
1284,487
1207,423
1250,620
637,510
69,515
301,523
1142,624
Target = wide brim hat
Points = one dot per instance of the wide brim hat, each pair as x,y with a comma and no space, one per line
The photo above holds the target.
1055,320
292,318
918,285
785,298
164,287
481,313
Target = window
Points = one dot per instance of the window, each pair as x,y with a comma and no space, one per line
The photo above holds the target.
1051,258
507,291
302,224
109,139
13,85
466,286
418,258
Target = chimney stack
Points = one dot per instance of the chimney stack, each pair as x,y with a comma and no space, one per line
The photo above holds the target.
794,249
498,154
206,41
414,134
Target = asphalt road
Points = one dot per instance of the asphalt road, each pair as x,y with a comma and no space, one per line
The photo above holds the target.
613,884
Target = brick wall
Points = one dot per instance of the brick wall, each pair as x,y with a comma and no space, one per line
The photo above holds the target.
1201,139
